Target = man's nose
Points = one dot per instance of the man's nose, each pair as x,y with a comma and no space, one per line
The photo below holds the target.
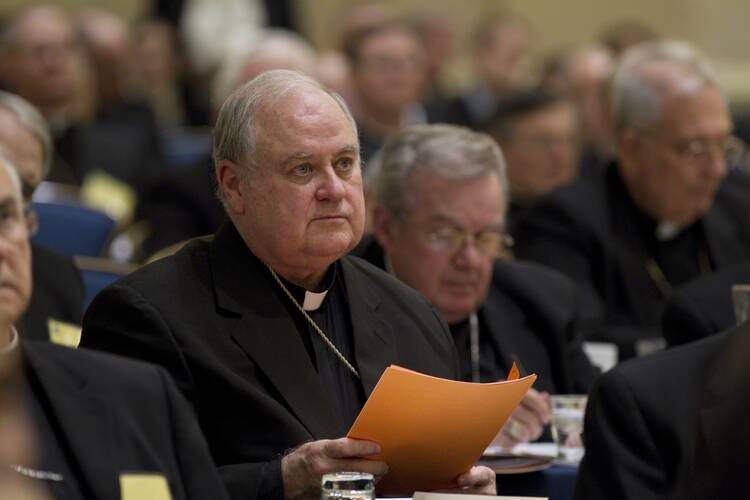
468,256
331,186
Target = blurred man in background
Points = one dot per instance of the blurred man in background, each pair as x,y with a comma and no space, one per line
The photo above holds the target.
658,216
538,133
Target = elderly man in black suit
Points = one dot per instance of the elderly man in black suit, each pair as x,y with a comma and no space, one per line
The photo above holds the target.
58,289
274,335
103,423
663,213
439,224
653,424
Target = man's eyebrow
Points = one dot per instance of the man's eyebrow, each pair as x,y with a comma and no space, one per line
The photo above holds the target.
304,155
7,202
351,149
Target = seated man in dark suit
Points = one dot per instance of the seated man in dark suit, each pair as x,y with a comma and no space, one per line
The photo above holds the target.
646,419
102,422
276,336
58,288
657,217
703,306
439,221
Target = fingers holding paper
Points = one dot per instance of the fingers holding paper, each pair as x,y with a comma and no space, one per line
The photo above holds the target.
478,480
302,469
527,421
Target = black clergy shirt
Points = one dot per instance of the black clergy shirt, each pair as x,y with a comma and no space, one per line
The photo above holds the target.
344,390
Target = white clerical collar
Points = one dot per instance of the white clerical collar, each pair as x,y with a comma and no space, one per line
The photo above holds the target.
666,230
313,300
12,346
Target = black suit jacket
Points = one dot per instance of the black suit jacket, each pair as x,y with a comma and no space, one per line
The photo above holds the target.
121,416
588,231
704,306
644,420
549,303
213,316
57,293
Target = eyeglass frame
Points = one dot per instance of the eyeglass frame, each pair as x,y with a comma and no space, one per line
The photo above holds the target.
459,237
696,151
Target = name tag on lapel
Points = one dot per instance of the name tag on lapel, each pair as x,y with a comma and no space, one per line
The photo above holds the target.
144,486
65,334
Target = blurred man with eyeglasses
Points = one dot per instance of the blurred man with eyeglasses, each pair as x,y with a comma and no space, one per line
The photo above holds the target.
57,300
439,224
663,213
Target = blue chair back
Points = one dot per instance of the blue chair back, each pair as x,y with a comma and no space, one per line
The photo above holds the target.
98,273
73,229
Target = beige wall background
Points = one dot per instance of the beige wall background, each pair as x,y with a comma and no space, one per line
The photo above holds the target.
720,27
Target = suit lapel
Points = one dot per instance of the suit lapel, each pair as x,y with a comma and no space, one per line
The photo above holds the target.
267,333
495,321
630,250
85,422
373,338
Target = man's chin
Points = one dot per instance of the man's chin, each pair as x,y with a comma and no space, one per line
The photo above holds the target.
333,246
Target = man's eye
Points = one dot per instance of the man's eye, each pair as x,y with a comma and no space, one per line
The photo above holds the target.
303,169
344,164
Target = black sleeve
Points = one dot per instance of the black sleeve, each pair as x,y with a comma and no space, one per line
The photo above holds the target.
622,460
200,478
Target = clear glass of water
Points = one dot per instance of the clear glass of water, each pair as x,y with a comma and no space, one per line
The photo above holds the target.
347,486
567,425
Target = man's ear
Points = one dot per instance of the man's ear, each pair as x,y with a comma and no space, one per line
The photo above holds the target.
384,227
229,178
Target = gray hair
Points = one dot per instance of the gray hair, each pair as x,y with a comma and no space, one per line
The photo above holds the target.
33,121
234,134
638,88
447,151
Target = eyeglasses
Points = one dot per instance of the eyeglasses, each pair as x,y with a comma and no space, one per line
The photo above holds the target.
702,151
489,242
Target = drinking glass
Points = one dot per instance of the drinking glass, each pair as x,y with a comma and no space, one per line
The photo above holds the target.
567,425
347,486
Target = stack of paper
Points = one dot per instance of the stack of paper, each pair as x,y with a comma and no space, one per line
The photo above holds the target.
431,430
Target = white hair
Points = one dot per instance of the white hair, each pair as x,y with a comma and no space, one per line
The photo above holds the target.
31,119
446,151
648,72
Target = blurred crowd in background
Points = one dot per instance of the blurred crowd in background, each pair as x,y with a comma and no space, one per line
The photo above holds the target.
130,104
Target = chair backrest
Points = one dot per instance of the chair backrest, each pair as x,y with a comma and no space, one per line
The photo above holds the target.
98,273
73,229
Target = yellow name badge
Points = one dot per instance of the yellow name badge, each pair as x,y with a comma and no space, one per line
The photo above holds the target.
144,486
62,333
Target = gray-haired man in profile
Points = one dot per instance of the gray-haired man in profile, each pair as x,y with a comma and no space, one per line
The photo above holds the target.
274,334
665,212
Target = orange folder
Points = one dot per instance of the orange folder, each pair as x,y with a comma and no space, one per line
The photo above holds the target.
431,430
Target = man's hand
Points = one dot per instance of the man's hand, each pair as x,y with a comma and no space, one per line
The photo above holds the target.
527,421
479,480
302,469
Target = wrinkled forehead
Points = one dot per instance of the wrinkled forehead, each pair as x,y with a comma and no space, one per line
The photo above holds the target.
299,113
10,189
